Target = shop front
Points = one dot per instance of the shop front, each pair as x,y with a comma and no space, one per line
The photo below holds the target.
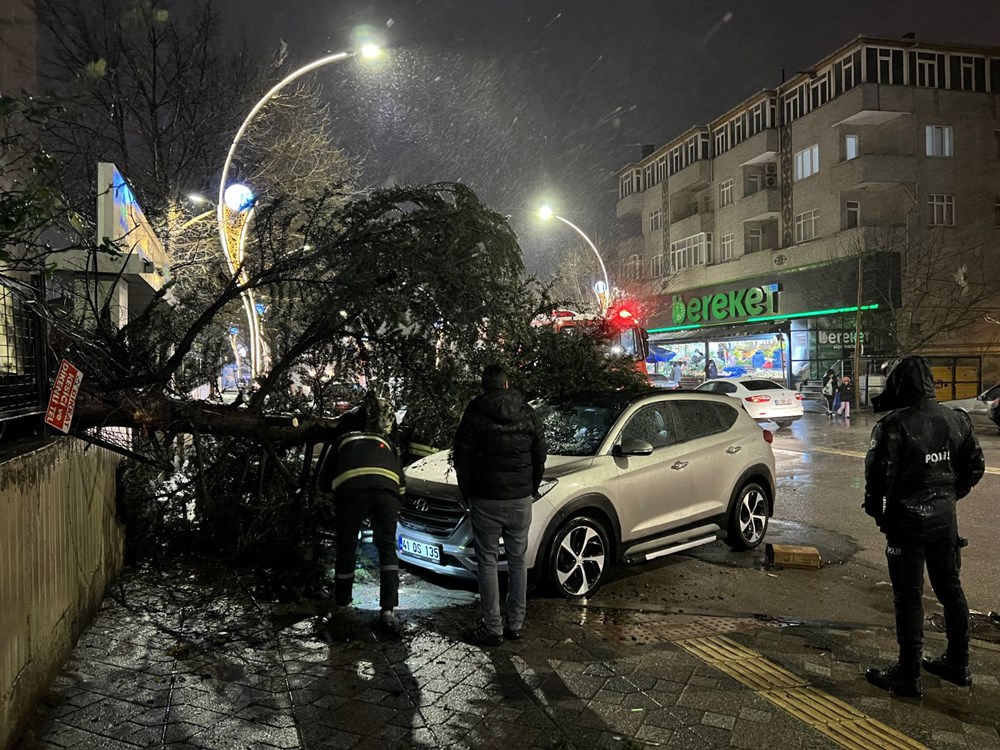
790,328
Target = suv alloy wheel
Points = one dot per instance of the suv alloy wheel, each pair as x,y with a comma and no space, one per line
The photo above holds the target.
748,519
578,557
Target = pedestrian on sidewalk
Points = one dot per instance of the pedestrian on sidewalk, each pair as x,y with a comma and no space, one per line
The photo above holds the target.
830,385
364,474
846,392
499,456
923,458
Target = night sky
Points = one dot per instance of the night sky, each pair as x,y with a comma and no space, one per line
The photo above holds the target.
535,100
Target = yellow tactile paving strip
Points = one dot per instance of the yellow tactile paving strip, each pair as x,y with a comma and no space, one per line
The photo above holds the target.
833,718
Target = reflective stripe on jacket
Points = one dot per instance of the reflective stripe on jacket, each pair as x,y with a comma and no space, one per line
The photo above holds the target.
364,460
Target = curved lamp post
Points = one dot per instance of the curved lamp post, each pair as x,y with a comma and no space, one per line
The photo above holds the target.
226,233
547,213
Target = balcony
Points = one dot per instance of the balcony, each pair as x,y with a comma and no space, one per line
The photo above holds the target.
629,205
692,177
760,206
759,148
694,223
874,172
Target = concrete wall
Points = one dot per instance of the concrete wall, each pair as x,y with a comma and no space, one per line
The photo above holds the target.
60,547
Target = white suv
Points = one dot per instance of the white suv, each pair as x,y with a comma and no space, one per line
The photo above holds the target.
628,478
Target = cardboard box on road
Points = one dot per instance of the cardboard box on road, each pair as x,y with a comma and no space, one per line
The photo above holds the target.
792,556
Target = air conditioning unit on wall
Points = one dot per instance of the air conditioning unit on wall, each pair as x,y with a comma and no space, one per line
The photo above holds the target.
771,181
771,168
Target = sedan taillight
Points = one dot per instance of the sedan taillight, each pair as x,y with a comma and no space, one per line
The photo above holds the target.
758,399
799,396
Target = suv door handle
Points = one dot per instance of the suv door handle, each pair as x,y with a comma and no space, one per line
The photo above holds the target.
734,449
678,465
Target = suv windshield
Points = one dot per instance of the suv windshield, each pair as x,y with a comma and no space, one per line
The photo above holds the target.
576,428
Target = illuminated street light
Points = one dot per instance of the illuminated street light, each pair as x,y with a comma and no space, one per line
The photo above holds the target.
546,213
368,51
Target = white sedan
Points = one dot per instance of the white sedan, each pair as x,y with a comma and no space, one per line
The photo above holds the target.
765,400
977,408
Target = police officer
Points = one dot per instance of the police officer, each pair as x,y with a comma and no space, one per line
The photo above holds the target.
922,459
364,474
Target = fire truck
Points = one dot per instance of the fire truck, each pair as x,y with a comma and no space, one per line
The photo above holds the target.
619,330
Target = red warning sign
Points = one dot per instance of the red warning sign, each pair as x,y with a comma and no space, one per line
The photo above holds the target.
63,399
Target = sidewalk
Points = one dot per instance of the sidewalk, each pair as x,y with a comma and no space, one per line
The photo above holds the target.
176,663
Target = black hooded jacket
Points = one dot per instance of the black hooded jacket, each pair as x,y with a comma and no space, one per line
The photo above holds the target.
923,456
499,447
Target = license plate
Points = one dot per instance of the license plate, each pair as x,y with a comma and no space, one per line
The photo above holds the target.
430,552
780,403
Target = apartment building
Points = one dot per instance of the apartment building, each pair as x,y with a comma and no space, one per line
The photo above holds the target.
881,162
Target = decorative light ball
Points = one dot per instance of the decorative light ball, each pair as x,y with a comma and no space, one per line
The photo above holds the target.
238,197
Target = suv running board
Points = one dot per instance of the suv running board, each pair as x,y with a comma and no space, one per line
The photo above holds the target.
647,556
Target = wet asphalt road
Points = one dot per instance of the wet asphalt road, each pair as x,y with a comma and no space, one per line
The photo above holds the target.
820,490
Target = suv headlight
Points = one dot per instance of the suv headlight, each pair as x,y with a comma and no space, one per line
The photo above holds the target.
545,487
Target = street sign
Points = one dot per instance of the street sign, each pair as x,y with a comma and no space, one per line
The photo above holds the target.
59,415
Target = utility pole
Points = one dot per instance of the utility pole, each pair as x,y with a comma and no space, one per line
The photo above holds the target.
857,330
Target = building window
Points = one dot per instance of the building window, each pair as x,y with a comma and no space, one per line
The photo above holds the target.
656,266
633,269
807,162
661,169
807,226
691,251
850,147
753,184
820,91
726,246
739,128
756,118
725,193
655,220
648,174
629,183
927,70
939,140
848,73
942,210
754,242
852,214
722,140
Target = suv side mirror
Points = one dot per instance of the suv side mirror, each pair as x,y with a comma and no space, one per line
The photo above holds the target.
633,447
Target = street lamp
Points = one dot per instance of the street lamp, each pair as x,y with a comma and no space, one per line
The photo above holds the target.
238,197
546,213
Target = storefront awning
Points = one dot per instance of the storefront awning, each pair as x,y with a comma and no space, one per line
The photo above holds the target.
720,333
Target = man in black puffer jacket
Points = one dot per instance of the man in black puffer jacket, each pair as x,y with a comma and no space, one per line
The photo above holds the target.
922,459
499,461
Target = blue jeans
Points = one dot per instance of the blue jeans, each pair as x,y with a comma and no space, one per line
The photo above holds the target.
490,520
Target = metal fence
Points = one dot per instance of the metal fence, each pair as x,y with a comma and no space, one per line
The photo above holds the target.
23,370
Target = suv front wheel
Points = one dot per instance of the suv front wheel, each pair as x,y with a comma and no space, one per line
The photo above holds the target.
748,518
579,555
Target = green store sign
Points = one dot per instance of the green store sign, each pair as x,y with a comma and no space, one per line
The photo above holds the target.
726,306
